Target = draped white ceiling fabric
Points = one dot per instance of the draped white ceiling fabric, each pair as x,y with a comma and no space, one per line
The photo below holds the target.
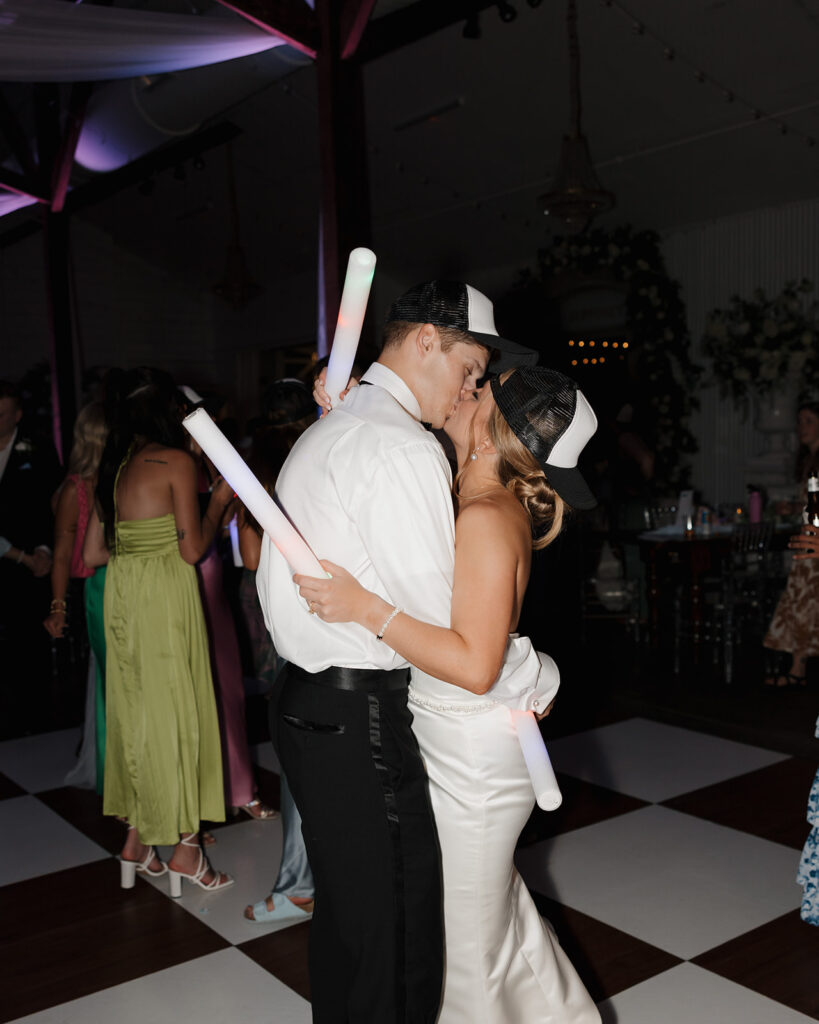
54,41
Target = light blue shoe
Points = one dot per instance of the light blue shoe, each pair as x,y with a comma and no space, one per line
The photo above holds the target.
283,910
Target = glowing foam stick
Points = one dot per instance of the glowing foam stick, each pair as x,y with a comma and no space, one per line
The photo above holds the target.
258,502
544,783
360,270
233,528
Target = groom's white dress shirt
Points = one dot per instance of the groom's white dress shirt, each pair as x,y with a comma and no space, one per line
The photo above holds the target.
369,488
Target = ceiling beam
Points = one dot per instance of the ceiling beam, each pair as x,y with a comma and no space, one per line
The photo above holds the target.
64,161
355,15
409,24
22,186
103,186
294,22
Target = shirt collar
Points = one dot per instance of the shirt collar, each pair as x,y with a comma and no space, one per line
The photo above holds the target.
388,379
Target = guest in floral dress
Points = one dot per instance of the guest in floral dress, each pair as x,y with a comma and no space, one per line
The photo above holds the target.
795,625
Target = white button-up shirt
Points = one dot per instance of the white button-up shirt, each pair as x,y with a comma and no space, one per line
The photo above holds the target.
369,488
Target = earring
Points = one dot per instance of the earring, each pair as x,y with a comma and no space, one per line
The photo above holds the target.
474,455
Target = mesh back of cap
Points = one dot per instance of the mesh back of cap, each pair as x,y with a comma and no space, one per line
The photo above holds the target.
441,303
538,404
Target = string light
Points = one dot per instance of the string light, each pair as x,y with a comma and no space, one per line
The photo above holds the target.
670,53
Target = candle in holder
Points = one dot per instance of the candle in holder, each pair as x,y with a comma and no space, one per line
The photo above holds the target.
256,499
544,783
360,270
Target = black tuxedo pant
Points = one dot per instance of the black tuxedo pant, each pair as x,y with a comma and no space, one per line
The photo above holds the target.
376,945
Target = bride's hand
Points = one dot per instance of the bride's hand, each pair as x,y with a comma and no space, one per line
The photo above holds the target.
320,396
340,599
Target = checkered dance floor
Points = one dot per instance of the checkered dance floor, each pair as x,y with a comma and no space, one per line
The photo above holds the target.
669,875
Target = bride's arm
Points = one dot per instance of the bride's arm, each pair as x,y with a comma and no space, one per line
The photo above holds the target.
468,654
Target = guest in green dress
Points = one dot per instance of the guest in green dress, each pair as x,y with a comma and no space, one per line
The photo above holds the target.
163,770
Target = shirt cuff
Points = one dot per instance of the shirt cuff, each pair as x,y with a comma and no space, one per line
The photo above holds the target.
5,546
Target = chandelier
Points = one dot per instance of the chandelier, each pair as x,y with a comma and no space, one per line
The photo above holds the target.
577,195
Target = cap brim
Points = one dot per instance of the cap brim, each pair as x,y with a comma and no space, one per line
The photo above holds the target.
510,354
571,486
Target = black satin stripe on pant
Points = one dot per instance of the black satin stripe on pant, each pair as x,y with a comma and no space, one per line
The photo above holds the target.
376,943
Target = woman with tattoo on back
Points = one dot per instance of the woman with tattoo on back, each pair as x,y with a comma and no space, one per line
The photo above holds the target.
163,770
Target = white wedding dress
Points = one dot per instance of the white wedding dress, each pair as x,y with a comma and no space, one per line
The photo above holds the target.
504,964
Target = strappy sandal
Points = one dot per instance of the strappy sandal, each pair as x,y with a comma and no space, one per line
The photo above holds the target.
219,880
128,868
257,810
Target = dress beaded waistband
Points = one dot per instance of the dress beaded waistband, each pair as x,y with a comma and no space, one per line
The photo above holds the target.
460,707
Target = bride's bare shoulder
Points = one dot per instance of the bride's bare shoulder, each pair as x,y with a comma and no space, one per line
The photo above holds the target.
495,513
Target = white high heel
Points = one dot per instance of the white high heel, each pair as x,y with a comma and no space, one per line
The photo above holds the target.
128,868
202,869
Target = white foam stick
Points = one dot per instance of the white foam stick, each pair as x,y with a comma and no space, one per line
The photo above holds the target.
360,270
256,499
544,783
233,528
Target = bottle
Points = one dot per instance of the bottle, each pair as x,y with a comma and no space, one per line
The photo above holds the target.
812,508
689,527
754,504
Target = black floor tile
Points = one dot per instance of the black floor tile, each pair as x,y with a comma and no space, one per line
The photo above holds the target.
284,954
75,932
778,960
770,802
607,959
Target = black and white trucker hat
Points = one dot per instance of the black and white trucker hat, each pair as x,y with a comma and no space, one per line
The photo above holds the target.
454,304
551,416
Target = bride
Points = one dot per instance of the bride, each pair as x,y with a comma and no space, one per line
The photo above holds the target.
517,445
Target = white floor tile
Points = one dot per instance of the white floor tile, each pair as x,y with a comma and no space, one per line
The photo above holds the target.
653,761
250,852
36,841
220,987
40,762
678,882
689,995
264,754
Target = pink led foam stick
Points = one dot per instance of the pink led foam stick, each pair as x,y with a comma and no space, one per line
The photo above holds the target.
258,502
544,783
360,270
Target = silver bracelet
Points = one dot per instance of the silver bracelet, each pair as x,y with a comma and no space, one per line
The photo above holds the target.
380,634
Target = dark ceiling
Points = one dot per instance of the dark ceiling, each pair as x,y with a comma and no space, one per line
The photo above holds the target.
692,111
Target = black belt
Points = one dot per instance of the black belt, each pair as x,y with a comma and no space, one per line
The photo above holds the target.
359,680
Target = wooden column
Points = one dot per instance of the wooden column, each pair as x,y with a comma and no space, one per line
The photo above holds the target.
345,194
61,349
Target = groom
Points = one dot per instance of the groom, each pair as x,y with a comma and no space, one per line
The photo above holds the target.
369,488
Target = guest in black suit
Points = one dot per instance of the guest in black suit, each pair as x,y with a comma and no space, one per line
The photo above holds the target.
27,479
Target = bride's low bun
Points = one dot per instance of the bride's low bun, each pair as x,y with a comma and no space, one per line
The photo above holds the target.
520,473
